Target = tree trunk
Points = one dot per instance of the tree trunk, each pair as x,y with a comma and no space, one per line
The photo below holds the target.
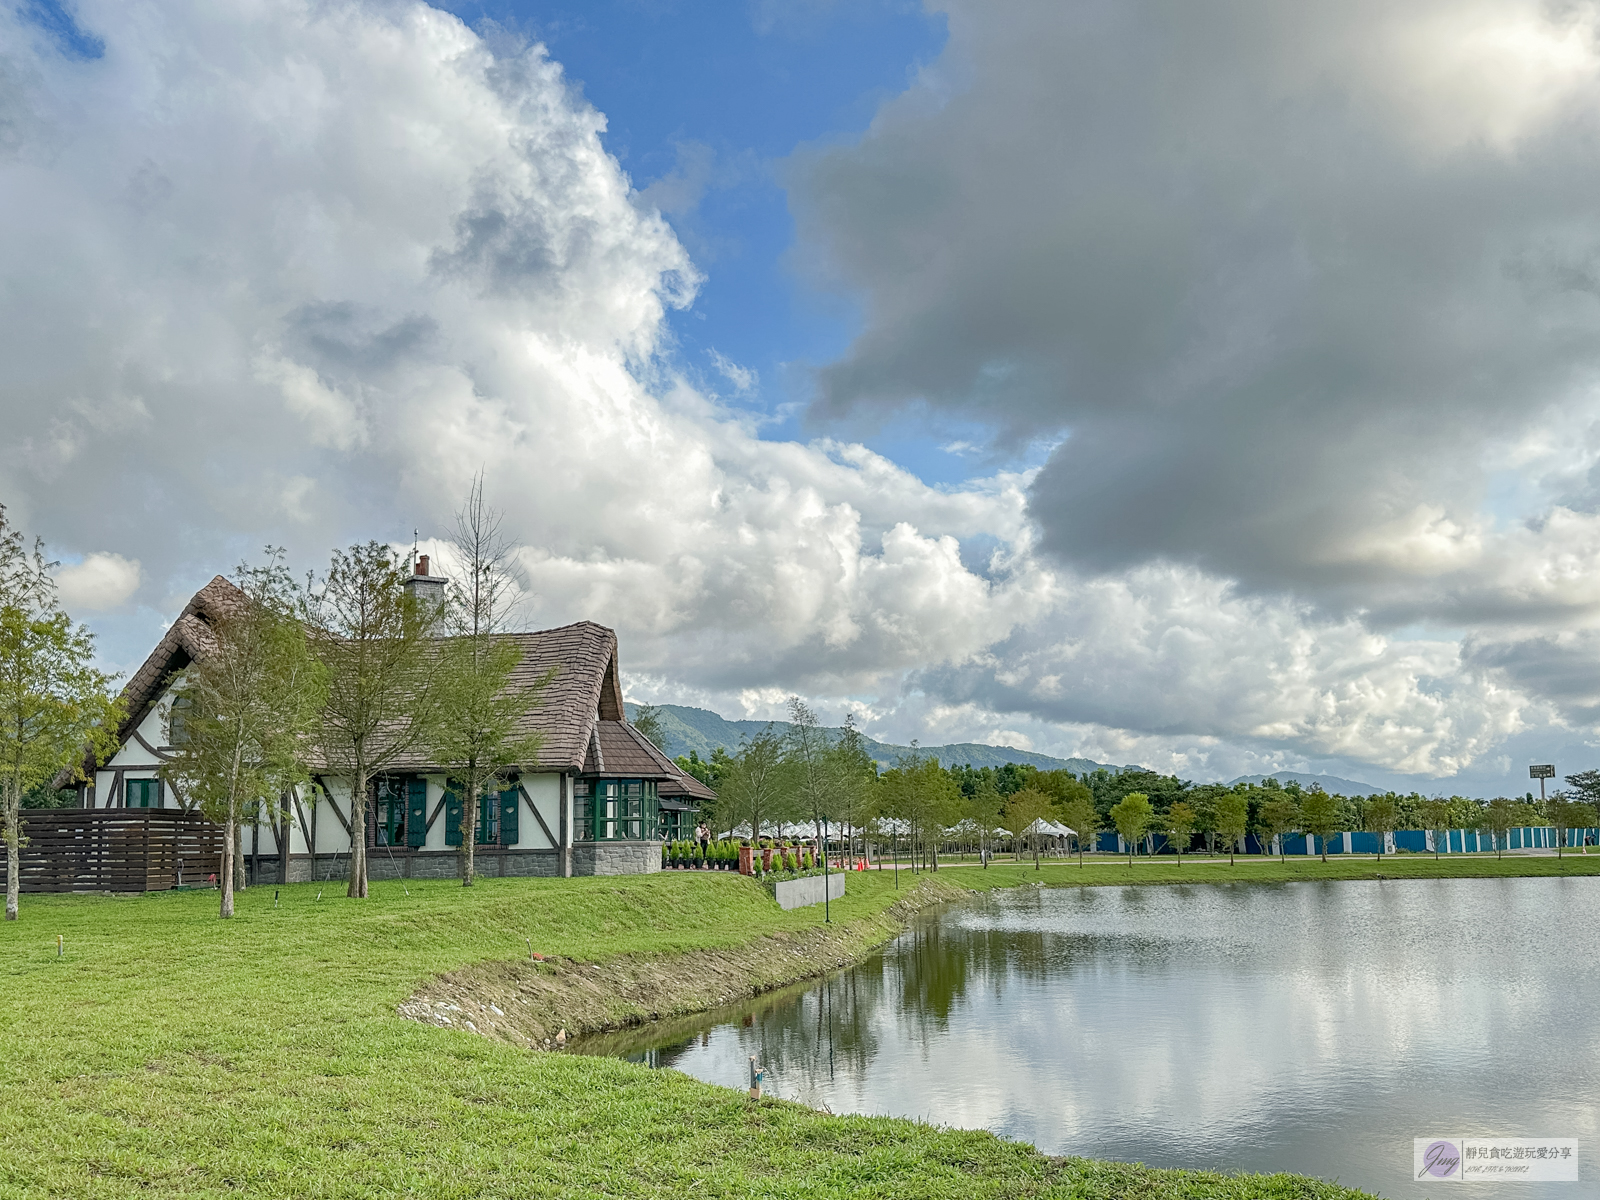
239,883
285,836
13,852
358,834
230,855
469,833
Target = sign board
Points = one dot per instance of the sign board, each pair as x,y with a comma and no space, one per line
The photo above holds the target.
1542,771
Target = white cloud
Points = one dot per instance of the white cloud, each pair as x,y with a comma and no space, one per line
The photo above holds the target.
744,379
99,583
301,270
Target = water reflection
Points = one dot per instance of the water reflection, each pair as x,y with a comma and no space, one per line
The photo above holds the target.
1307,1027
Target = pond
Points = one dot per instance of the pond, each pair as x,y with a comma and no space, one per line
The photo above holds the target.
1310,1027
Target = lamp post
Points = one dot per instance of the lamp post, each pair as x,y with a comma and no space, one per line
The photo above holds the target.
826,916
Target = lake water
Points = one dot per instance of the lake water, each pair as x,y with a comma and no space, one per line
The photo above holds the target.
1310,1027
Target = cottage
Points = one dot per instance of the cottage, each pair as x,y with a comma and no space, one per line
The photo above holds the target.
591,805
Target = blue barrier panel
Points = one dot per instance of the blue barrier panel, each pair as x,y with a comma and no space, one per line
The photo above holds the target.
1295,843
1106,842
1414,840
1362,842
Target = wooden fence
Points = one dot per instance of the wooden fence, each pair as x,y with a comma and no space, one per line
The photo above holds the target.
115,849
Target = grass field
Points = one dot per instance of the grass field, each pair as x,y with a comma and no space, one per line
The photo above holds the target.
169,1053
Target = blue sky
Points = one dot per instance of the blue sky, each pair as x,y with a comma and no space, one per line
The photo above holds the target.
707,101
1310,288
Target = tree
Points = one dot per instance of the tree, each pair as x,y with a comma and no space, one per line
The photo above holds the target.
252,703
1132,815
53,703
1233,819
852,774
756,786
1023,811
1319,815
481,732
376,642
1566,814
1379,818
1079,814
647,720
807,751
982,808
920,794
1180,826
1435,815
1279,816
1500,816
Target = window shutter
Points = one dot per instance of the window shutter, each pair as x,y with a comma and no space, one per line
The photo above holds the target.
453,811
416,812
509,809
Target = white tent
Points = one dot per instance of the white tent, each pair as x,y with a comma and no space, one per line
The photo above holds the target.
1049,829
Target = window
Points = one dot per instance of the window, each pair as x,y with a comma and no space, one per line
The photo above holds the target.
615,810
143,793
177,719
393,806
582,811
497,814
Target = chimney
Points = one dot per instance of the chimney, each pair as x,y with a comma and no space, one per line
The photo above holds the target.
428,590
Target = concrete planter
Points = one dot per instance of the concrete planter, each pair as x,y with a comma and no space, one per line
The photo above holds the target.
797,893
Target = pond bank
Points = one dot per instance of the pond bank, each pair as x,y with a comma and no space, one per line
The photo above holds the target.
548,1003
542,1004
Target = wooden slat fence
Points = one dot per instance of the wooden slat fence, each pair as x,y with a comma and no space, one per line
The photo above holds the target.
115,849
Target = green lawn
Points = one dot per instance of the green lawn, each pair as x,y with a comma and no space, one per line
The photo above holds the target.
169,1053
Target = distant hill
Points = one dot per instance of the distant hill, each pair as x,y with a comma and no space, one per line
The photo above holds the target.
701,730
1330,783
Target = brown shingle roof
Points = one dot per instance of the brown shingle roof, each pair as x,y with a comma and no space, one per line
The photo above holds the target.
579,717
684,787
188,637
624,751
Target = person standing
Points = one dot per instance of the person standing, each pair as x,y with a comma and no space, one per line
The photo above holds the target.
702,834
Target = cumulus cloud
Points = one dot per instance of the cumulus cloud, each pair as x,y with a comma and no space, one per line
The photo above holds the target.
1289,279
97,584
1307,293
294,272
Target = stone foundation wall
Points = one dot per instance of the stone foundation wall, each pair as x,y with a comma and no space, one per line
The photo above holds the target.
428,865
615,858
588,858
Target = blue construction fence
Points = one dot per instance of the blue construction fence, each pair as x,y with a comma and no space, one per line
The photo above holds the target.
1415,841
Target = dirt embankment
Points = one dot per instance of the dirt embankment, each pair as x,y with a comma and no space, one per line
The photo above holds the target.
547,1003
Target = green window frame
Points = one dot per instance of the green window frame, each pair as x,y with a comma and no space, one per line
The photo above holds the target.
142,793
488,820
393,808
491,805
616,810
582,811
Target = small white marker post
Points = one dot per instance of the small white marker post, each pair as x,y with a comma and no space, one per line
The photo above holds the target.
61,946
755,1079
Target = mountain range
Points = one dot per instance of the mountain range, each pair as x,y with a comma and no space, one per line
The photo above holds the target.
702,731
